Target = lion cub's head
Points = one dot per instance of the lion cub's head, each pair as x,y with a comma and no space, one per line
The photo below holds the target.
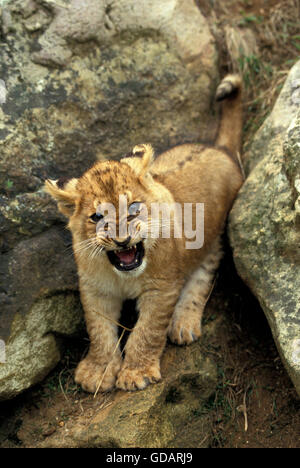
108,209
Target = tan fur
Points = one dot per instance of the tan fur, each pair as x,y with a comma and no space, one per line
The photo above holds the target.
172,283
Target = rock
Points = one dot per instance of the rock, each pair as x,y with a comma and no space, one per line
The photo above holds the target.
265,220
33,349
102,20
36,305
92,92
168,414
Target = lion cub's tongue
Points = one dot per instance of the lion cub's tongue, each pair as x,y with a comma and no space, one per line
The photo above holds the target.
126,256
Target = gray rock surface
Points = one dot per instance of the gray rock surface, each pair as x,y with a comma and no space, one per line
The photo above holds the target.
86,20
264,223
105,76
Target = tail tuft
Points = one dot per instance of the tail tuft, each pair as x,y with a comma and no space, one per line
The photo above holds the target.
229,87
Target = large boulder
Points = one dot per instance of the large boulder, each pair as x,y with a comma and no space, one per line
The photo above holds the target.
264,223
81,80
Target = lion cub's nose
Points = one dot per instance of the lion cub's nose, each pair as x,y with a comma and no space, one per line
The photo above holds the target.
122,243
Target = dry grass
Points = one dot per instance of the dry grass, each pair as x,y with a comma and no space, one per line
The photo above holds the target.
260,43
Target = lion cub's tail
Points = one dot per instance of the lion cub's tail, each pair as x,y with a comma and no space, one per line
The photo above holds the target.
230,130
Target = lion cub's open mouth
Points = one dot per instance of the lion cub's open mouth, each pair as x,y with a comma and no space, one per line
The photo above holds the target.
129,259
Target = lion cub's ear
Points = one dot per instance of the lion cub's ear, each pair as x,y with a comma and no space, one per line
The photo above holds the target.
140,161
64,192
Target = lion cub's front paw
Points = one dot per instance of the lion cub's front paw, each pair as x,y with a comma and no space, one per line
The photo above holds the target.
137,378
89,374
184,331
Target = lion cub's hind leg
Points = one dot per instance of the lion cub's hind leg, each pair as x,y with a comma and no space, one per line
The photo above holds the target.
185,325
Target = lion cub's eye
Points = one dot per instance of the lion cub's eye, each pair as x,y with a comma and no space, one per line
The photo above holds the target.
96,217
134,210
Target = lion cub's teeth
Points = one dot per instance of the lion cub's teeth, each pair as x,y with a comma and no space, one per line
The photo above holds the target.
121,264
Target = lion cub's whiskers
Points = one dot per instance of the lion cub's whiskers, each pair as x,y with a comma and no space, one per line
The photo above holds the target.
98,249
83,245
88,245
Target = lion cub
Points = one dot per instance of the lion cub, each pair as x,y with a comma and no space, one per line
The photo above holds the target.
118,259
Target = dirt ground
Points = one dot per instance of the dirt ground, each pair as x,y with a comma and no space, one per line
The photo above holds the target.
255,404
